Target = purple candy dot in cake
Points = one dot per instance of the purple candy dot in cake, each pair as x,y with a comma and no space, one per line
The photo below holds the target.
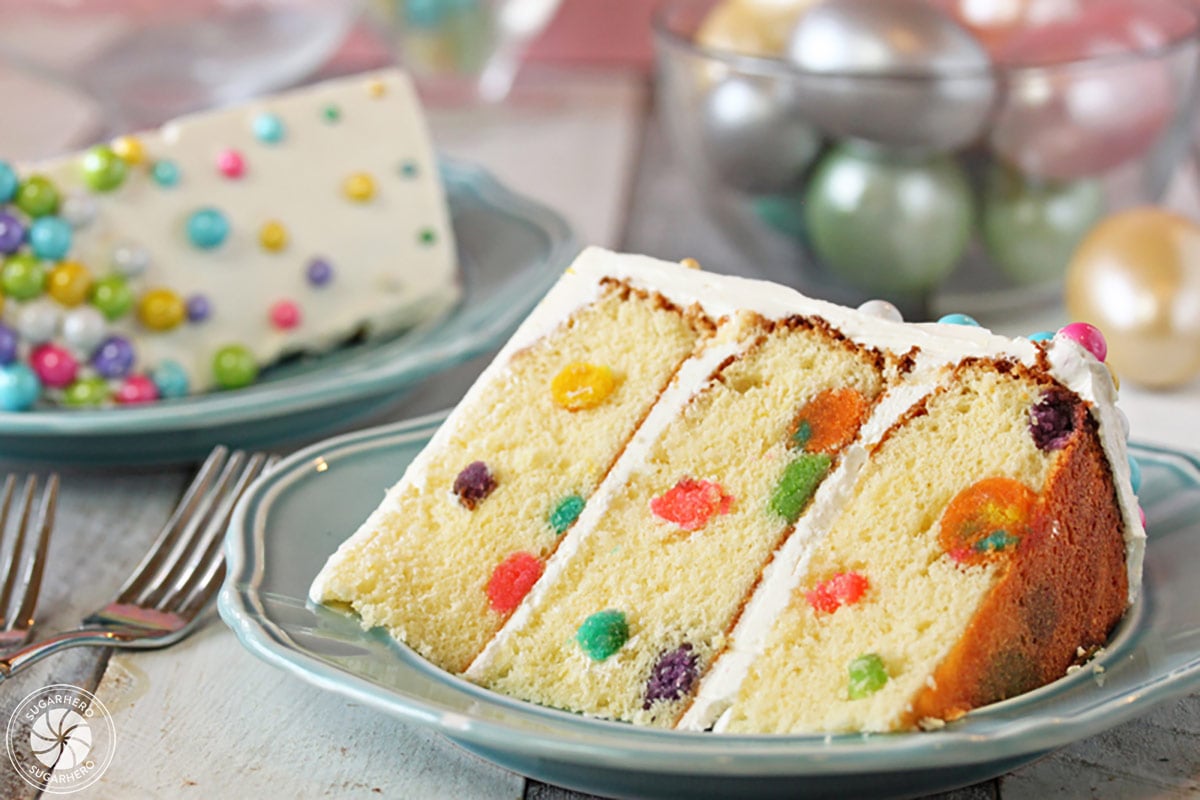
12,233
473,484
198,308
114,357
672,676
8,345
1052,420
320,272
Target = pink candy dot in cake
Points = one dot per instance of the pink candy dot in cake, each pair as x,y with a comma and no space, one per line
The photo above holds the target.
285,315
1088,336
54,366
231,164
137,389
843,589
511,580
690,504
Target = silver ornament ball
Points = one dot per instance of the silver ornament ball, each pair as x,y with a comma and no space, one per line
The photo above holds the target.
130,260
37,321
78,210
84,329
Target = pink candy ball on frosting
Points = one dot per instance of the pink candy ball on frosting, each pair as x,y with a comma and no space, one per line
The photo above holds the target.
231,164
1142,516
1089,337
54,366
137,389
285,315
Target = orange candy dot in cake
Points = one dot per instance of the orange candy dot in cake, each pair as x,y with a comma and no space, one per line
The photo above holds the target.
830,421
581,386
690,504
985,519
843,589
511,580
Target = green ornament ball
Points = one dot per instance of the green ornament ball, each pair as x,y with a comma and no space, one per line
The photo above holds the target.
103,170
87,392
234,367
23,277
112,296
1032,226
886,222
37,196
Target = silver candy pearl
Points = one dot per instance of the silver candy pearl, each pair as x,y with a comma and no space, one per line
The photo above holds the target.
753,137
84,329
78,210
881,309
37,321
896,72
130,260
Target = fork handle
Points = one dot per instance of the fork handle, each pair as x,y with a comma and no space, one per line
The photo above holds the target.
31,653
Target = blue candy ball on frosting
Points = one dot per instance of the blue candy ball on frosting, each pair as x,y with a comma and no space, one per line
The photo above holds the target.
959,319
8,182
50,238
171,379
269,128
207,228
19,388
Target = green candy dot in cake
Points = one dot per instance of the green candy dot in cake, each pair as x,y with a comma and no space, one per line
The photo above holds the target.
565,513
234,367
103,170
603,634
37,196
867,676
802,435
112,296
800,480
995,542
23,277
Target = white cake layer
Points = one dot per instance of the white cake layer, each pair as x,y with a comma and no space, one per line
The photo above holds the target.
392,255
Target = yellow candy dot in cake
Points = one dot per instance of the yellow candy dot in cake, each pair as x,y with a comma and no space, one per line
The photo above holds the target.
161,309
273,236
69,283
359,187
580,386
129,149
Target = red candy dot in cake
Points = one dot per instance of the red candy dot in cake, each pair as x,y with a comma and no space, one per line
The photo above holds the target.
691,503
511,580
843,589
1088,336
285,315
137,389
54,366
231,164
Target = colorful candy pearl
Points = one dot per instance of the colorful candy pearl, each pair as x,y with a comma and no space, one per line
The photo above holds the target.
129,149
409,169
198,308
37,321
273,236
376,89
8,182
207,228
23,277
8,344
114,357
103,170
12,233
269,128
959,319
79,210
1135,474
331,113
359,187
1142,516
50,238
136,389
427,236
19,388
54,365
91,391
170,379
130,260
165,173
319,272
1041,336
1089,338
37,196
161,310
231,163
285,315
84,329
234,367
112,295
881,309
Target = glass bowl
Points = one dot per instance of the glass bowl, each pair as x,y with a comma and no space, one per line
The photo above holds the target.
962,191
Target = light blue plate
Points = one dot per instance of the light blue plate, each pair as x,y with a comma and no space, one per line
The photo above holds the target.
291,520
510,251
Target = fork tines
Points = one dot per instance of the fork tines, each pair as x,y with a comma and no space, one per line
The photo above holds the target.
24,561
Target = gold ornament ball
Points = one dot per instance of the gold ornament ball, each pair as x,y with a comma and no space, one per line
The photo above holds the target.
1136,276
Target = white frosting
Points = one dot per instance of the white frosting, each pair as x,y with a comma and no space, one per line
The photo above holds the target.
385,277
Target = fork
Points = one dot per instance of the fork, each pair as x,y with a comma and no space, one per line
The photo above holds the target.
19,595
160,603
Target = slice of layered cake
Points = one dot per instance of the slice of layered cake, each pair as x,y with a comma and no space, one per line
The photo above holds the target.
188,258
810,519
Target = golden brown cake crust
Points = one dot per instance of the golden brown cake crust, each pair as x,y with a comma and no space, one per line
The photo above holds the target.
1065,588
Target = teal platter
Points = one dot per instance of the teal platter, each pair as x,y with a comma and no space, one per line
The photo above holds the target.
293,518
510,250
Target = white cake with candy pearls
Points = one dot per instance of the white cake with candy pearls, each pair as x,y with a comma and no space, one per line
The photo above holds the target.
190,258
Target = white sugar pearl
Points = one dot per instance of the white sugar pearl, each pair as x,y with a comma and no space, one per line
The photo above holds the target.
84,329
37,321
78,210
130,260
882,309
1123,422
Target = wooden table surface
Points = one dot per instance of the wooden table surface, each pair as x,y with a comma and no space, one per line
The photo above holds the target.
206,719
